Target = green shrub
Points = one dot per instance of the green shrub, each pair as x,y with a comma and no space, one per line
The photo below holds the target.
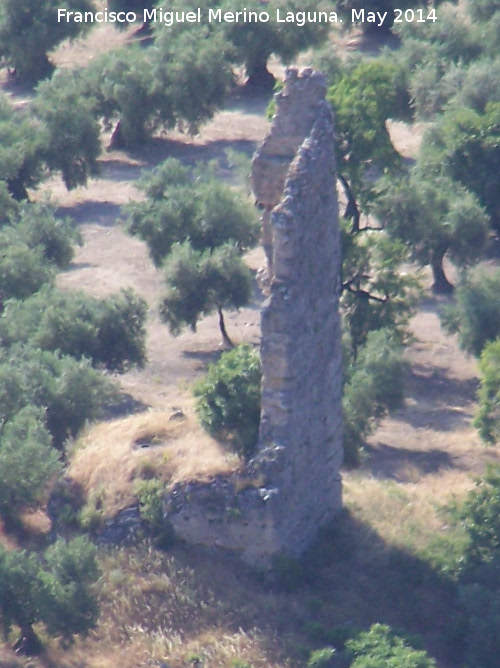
480,517
475,317
487,419
27,462
55,589
181,206
150,497
228,399
69,392
380,647
110,331
374,383
321,658
38,226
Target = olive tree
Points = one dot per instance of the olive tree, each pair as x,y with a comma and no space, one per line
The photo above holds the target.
436,219
254,41
201,282
475,315
56,591
27,462
463,145
29,31
181,206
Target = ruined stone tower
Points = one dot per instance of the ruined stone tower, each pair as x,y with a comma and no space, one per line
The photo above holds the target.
292,487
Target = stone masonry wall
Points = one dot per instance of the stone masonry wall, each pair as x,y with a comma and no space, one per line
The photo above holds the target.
292,487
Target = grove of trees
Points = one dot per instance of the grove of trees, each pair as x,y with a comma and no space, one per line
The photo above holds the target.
59,348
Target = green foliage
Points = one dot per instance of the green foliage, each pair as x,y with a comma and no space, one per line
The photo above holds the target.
254,42
57,133
380,647
71,134
69,607
150,497
192,70
180,207
363,99
23,269
434,220
20,145
38,226
483,10
29,31
478,85
198,283
27,462
476,313
33,243
487,419
463,145
228,399
321,658
57,592
180,81
479,591
110,332
374,382
480,517
376,292
71,392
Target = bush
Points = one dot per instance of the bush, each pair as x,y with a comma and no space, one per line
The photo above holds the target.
479,571
27,462
56,592
487,419
374,383
321,658
180,206
69,392
23,270
110,331
380,647
228,399
480,517
150,497
38,226
475,317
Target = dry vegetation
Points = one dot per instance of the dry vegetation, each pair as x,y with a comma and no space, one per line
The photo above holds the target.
192,607
113,455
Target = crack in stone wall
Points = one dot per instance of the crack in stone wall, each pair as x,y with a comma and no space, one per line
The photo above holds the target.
292,487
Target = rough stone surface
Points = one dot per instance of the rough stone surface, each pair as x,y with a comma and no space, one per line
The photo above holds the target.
296,108
292,487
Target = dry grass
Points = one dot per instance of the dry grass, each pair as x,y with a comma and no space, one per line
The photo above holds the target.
111,456
407,516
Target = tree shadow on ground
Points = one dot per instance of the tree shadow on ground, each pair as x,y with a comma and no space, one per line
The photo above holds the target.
125,404
159,149
206,357
105,214
386,461
349,578
444,403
